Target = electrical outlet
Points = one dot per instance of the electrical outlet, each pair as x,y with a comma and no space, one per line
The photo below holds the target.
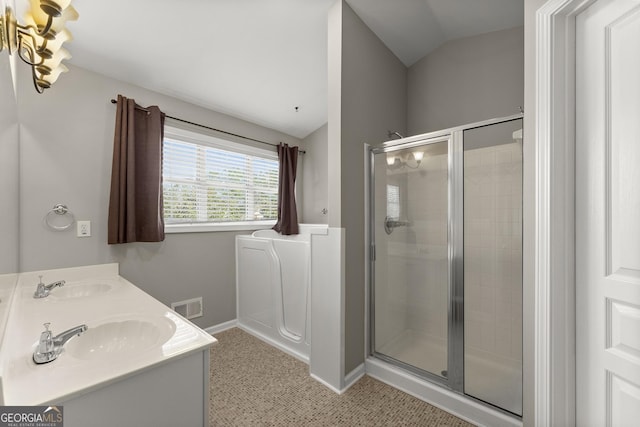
84,229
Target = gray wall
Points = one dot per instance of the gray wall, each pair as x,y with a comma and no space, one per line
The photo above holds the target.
467,80
66,138
334,113
373,101
314,177
9,166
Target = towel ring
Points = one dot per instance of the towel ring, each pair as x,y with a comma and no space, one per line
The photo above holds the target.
59,209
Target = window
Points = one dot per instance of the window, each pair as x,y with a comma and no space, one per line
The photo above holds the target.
393,202
211,183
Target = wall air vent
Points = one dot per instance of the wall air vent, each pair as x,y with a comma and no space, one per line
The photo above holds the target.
188,309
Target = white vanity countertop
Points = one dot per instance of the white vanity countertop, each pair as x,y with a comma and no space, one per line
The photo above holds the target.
153,335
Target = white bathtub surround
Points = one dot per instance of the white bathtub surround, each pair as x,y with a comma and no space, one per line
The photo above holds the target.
288,284
272,283
134,344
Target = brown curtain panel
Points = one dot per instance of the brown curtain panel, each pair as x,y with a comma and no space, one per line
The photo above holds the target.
287,211
135,204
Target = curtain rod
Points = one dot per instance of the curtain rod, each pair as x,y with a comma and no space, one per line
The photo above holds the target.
113,101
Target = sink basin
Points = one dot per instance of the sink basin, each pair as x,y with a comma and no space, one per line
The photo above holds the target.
80,290
124,338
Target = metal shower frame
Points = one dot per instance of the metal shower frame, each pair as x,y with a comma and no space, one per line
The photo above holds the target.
454,380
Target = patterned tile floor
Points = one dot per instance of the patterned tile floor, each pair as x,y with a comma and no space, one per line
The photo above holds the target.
255,384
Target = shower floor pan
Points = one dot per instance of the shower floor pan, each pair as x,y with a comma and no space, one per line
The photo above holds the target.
498,382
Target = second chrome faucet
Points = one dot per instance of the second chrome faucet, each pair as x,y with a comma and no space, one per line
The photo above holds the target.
43,290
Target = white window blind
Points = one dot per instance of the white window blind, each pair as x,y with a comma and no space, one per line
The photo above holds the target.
210,181
393,202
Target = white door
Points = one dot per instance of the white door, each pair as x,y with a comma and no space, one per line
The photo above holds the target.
608,214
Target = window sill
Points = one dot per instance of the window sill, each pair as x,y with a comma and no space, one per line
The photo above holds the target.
207,228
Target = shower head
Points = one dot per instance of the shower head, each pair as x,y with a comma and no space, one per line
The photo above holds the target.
390,134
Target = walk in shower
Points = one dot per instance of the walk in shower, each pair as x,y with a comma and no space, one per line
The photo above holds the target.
445,276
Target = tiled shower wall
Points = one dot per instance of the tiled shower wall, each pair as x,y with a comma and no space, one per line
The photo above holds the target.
427,269
493,250
390,267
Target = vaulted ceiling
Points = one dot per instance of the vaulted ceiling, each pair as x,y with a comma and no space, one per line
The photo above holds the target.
259,59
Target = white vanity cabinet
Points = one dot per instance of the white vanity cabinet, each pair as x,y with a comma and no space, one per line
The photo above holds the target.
138,363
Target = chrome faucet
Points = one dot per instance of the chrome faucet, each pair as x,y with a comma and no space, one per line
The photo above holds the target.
43,290
50,347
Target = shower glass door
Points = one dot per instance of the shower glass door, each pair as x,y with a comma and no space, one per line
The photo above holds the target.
411,273
493,264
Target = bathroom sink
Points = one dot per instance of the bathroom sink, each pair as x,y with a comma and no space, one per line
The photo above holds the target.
124,338
80,290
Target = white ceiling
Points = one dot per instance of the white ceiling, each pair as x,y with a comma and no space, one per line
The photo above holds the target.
259,59
413,28
252,59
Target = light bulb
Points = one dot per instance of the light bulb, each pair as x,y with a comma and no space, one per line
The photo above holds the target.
39,19
391,160
46,80
53,76
52,63
36,15
51,7
69,14
52,45
418,155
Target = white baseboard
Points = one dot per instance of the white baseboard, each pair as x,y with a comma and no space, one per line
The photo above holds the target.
326,384
352,377
290,351
211,330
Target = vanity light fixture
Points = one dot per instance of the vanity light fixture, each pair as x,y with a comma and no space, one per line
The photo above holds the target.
399,161
39,40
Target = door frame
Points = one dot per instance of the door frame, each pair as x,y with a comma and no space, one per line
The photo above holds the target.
554,278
